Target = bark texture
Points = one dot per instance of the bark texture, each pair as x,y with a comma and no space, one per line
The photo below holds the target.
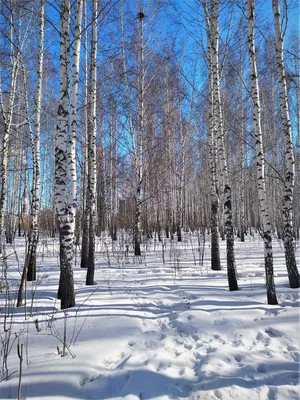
289,160
260,160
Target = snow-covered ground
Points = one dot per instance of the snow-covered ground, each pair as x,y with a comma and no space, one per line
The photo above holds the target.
159,327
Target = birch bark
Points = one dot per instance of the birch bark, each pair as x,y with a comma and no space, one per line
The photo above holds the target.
63,147
218,130
180,177
139,139
84,177
92,150
260,161
33,234
214,198
7,115
289,161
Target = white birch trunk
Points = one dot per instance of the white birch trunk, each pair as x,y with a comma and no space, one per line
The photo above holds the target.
139,139
7,114
214,198
260,161
33,234
72,201
91,191
180,177
65,216
84,172
219,134
289,161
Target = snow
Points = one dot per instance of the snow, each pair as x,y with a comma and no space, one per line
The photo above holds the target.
158,327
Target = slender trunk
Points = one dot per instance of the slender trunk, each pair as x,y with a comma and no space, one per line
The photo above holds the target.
92,151
181,172
7,120
139,139
241,160
214,198
84,178
289,161
219,134
34,228
260,161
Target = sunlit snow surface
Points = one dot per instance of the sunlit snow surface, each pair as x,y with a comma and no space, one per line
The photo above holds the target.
157,327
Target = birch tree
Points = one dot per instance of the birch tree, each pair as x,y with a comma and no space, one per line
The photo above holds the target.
260,161
218,131
84,171
35,207
214,198
91,189
136,132
289,161
6,109
65,145
29,270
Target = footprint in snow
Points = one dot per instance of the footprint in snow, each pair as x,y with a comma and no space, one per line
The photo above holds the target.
261,338
211,349
162,366
292,356
261,368
218,394
238,358
150,344
273,332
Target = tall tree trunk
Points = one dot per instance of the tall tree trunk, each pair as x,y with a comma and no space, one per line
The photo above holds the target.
289,161
180,173
214,198
139,139
34,228
219,134
260,161
92,150
84,173
7,115
65,213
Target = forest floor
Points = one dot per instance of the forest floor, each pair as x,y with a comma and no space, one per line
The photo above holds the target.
162,326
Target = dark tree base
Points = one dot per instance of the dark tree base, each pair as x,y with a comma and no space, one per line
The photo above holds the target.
137,248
